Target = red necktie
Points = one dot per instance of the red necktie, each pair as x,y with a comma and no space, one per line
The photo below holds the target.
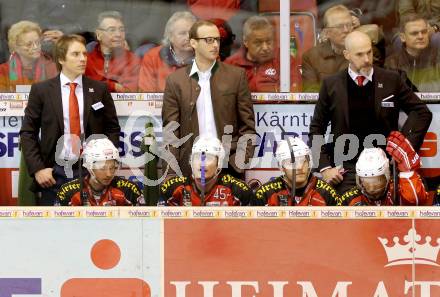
74,121
360,80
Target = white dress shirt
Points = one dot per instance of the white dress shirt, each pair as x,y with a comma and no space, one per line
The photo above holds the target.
205,111
354,75
65,93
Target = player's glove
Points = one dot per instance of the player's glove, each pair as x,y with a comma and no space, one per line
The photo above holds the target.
402,152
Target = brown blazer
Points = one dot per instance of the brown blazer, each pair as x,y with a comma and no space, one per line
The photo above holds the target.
232,104
44,113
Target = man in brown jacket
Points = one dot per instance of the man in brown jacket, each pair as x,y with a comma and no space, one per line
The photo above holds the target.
326,58
207,98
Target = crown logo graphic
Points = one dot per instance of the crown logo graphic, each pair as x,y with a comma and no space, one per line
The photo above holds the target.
412,251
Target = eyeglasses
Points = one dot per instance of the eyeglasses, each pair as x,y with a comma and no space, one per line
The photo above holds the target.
30,44
209,40
341,27
113,30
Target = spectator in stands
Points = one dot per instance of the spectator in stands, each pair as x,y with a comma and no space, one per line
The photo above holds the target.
100,186
174,53
26,63
260,58
206,186
144,48
374,183
327,58
417,56
308,189
110,61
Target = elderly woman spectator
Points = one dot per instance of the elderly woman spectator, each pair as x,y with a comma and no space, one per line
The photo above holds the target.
175,52
26,63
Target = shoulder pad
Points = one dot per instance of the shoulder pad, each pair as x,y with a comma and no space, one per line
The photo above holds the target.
67,190
264,191
129,188
328,192
229,180
239,188
348,196
169,185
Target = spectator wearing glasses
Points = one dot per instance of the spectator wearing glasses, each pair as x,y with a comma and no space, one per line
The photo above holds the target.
327,58
26,64
260,58
208,98
110,61
174,53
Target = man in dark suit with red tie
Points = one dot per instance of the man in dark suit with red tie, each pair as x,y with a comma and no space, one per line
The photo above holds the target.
362,100
68,105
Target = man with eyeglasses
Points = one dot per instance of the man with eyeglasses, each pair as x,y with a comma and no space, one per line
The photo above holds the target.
208,98
110,61
100,187
326,58
260,58
417,56
27,64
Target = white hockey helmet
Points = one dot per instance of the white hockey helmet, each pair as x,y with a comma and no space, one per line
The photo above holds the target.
373,165
209,145
97,151
299,149
373,162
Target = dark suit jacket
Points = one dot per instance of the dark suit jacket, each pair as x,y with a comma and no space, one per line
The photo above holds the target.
45,112
332,106
231,102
